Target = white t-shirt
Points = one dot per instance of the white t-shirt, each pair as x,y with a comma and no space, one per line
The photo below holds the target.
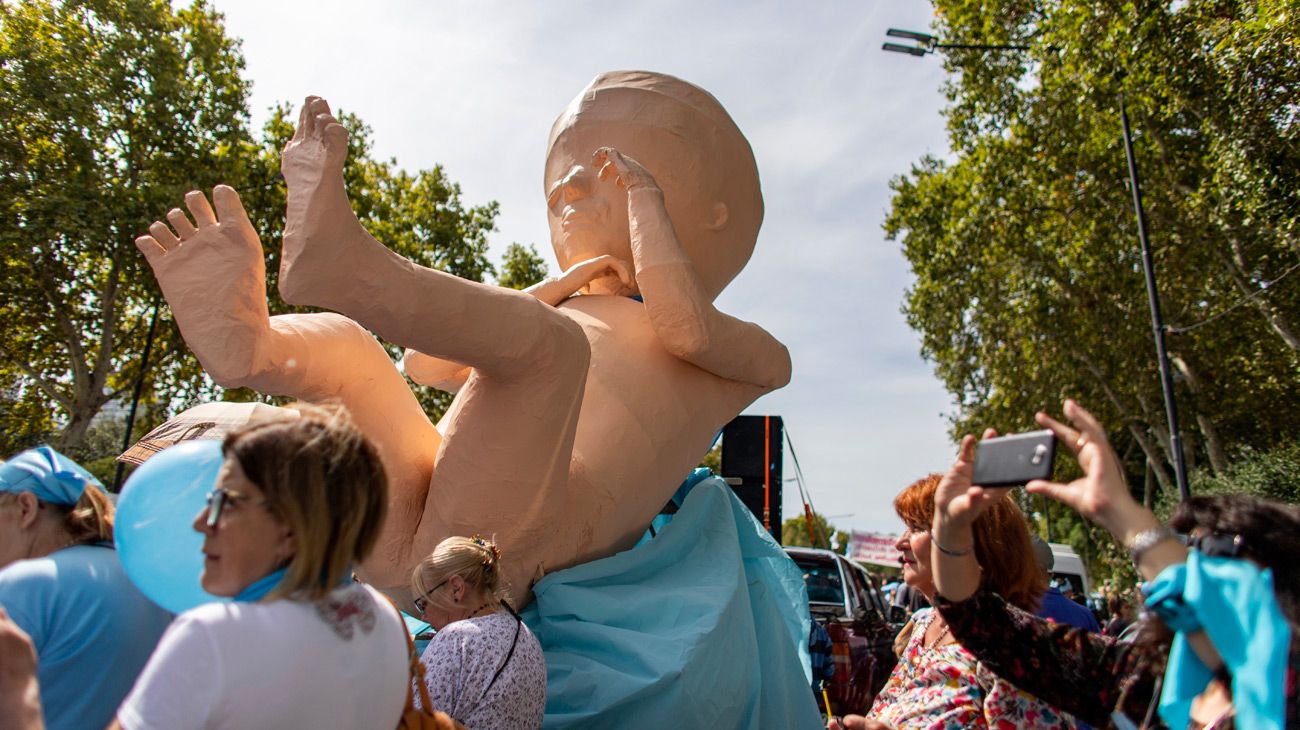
336,663
459,664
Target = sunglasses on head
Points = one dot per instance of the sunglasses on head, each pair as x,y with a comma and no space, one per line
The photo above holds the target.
1217,544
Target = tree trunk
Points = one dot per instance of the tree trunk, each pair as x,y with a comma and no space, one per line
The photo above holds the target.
1148,494
78,423
1152,452
1213,444
1236,266
1149,448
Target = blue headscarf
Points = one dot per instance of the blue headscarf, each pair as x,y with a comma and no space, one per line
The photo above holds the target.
51,476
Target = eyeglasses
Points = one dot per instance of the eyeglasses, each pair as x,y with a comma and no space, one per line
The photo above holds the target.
422,602
219,498
1215,544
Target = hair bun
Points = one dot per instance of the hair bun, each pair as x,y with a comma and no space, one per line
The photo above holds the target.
493,552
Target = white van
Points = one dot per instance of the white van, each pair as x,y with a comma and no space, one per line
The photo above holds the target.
1068,566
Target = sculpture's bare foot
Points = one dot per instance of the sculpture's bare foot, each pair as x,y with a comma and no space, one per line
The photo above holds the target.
321,231
213,274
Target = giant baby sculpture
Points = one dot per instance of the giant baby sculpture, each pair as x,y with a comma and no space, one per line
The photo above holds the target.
575,417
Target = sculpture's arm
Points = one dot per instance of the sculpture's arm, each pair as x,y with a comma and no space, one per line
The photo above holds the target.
680,310
449,376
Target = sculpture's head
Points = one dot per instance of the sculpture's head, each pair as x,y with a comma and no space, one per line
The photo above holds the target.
691,146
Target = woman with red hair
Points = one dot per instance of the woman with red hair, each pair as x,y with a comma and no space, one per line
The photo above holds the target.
937,684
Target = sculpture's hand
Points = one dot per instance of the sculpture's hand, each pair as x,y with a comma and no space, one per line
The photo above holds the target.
213,275
445,375
627,173
601,275
583,275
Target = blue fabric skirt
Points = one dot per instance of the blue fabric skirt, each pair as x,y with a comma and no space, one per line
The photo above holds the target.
705,625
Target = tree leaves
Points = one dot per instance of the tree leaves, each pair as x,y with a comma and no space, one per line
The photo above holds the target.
1029,285
110,110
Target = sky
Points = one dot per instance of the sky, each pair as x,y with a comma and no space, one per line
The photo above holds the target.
474,86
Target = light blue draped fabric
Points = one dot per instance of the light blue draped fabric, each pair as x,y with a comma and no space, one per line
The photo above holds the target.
704,626
1231,600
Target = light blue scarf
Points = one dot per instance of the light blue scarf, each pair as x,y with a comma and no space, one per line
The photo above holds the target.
1232,601
258,589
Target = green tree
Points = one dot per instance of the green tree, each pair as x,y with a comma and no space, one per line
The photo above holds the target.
521,267
713,459
1029,285
794,532
109,111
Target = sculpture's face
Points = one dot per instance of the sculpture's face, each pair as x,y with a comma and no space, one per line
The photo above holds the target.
587,216
696,156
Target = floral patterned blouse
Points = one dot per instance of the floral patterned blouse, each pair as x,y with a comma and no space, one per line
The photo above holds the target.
946,688
461,661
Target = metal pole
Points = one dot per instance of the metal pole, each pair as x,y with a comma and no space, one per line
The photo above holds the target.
135,397
1157,323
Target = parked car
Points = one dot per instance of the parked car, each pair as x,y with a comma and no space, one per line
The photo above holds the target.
846,600
1069,568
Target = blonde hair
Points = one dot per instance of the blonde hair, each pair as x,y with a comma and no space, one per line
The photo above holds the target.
476,560
89,520
325,480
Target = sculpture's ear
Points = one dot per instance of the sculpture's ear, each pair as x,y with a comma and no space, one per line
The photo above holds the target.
718,217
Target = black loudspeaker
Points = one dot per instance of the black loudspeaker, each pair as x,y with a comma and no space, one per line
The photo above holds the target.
752,447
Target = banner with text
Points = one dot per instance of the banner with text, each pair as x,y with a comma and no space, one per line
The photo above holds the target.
874,548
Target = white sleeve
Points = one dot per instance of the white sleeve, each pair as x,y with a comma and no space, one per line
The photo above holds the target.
182,683
443,669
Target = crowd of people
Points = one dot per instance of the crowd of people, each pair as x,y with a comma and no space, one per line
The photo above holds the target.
301,642
1211,650
298,503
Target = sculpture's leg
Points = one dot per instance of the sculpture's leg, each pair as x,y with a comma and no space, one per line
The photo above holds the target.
212,273
508,444
330,260
508,439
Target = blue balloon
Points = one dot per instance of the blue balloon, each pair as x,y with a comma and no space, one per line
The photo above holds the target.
156,541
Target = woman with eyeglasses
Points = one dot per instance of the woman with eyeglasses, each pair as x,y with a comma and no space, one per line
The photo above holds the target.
483,667
937,684
63,586
1214,649
297,504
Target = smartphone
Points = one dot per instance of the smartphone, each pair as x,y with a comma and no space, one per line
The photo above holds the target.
1014,461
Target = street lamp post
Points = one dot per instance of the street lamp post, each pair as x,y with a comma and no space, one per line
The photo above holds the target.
930,44
927,44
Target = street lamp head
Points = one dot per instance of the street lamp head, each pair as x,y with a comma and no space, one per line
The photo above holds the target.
911,35
909,50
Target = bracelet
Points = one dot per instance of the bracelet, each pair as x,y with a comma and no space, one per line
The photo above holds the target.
1147,539
946,551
